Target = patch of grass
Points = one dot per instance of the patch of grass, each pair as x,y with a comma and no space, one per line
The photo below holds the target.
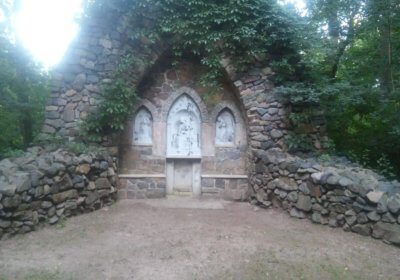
267,265
61,223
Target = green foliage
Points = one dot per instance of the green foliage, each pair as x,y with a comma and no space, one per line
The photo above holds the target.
55,142
116,102
299,143
247,31
23,93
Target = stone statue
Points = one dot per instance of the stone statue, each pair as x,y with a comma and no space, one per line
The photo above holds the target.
143,128
225,129
183,128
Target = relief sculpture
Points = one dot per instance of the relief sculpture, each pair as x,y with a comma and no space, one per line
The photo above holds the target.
225,129
183,134
143,128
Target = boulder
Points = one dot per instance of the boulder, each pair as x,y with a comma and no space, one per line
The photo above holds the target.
364,229
7,189
304,203
316,177
362,218
297,213
394,203
388,218
83,168
284,183
374,196
102,183
318,218
382,205
92,197
65,183
304,188
292,196
63,196
21,180
5,224
373,216
387,232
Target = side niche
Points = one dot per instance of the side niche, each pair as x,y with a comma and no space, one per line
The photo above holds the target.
143,128
225,129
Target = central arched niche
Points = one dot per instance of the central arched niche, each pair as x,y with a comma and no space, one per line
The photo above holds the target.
183,141
184,128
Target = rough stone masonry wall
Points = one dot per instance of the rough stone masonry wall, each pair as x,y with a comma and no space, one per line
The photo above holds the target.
42,188
337,195
366,206
77,81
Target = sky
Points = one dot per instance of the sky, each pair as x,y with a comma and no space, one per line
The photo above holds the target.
47,27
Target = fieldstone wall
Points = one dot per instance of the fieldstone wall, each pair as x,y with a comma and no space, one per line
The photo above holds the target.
334,194
338,195
229,189
140,188
86,67
43,187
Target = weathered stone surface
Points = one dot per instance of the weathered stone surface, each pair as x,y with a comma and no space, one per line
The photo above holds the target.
12,202
388,232
92,197
319,219
7,189
284,183
61,197
374,196
394,204
46,204
388,218
65,183
276,133
382,205
362,218
364,229
350,217
292,196
303,203
374,216
304,188
102,183
53,220
316,177
83,168
4,224
297,213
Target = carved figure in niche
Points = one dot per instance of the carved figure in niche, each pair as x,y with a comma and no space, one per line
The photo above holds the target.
183,128
143,132
225,129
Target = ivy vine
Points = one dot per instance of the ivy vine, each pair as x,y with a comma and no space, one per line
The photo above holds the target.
246,31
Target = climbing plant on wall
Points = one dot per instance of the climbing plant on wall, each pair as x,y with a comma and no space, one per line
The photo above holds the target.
246,31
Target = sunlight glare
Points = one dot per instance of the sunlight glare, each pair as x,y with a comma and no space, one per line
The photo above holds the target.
46,27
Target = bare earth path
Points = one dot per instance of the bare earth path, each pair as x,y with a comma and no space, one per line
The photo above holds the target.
163,239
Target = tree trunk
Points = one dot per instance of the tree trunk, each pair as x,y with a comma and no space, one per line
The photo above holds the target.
385,32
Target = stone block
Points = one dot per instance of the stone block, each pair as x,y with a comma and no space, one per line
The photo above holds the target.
364,229
63,196
387,232
102,183
304,203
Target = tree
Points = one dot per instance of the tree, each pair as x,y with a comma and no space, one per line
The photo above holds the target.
23,88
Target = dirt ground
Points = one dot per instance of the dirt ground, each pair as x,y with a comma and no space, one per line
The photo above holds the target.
186,239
